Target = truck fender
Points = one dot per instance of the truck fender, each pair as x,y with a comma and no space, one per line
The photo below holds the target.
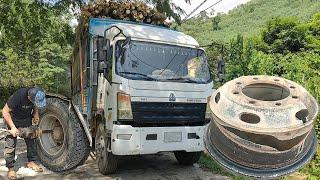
73,107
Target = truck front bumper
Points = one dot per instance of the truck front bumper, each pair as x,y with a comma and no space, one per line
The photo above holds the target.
128,140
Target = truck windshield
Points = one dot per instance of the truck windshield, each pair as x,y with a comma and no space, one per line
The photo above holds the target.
161,62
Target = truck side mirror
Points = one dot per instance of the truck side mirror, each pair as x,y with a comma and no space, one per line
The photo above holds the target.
101,52
125,45
104,54
221,70
108,50
126,42
101,66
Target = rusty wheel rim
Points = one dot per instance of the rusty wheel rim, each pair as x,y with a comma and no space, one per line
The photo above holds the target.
53,139
262,124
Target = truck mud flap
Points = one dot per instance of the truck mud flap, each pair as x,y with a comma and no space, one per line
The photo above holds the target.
262,126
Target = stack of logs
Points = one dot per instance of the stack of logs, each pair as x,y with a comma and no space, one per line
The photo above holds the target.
123,10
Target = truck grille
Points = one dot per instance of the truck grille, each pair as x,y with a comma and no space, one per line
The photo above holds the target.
161,113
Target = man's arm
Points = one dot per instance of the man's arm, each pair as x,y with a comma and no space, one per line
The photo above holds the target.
7,118
36,116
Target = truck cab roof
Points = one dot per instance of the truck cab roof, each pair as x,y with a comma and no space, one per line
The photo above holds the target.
146,32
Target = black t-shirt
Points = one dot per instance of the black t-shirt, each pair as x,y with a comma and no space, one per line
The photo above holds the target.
21,107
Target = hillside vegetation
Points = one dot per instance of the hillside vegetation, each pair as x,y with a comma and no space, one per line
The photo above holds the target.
278,38
248,19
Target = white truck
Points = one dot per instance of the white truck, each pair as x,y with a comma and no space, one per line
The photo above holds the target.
136,89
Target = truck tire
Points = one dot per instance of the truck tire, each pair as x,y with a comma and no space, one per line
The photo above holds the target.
63,145
107,162
187,158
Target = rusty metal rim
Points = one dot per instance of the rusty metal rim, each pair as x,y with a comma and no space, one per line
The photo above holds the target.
241,99
47,141
255,172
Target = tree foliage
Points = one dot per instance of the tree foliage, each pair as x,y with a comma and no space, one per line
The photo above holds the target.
35,43
283,35
169,8
215,22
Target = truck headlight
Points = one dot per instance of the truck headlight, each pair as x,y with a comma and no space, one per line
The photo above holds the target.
208,110
124,107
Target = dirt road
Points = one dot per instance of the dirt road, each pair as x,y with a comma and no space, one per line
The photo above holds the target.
157,167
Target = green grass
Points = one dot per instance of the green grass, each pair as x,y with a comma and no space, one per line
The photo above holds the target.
207,162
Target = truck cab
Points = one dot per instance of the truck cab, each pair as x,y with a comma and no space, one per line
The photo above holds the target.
142,89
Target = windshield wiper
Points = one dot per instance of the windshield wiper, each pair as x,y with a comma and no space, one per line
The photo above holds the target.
182,79
146,77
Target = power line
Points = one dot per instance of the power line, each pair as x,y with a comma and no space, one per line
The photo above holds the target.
201,11
193,11
213,5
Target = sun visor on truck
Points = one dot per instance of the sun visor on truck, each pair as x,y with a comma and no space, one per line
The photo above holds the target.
97,26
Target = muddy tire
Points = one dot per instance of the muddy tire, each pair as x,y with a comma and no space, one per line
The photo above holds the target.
107,162
64,145
187,158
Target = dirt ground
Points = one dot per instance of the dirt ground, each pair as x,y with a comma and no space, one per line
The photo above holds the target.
161,166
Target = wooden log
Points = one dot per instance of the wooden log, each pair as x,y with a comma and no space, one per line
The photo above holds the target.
140,15
148,20
123,10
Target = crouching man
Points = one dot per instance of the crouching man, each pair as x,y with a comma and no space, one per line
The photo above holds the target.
18,112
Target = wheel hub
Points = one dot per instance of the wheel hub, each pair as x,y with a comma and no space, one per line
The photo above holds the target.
57,132
53,137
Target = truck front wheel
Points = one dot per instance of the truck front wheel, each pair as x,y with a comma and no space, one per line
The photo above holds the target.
63,144
107,162
187,158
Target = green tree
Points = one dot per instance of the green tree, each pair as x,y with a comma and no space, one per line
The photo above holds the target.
313,35
215,22
240,54
284,35
34,45
169,8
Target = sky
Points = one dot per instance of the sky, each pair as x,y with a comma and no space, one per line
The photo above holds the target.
223,6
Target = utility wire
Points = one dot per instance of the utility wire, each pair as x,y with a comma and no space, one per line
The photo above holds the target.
193,11
212,5
185,19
